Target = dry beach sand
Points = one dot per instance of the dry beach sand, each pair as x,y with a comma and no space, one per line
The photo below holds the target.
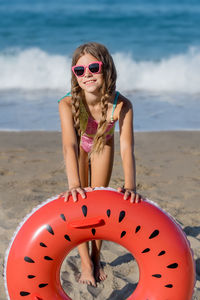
168,172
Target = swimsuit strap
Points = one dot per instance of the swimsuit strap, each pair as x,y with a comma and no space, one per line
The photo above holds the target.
68,94
114,105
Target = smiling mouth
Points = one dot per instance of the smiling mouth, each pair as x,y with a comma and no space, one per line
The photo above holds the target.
89,81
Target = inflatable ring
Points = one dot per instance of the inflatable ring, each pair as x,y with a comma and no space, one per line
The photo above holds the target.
49,233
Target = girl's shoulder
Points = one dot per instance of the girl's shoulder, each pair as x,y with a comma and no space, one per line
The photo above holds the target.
123,104
66,99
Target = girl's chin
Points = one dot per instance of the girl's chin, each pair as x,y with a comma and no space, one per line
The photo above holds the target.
91,88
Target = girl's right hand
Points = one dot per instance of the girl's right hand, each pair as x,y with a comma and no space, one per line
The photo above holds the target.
74,192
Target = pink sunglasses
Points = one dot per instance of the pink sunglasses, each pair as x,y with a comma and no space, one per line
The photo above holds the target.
94,68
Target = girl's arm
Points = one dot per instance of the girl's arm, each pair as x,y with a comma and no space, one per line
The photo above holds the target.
127,150
70,149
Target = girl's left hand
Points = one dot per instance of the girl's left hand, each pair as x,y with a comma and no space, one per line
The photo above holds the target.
130,193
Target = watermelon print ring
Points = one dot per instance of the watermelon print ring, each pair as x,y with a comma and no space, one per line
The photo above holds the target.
52,230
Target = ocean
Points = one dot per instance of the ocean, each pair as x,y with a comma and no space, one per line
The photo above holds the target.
155,45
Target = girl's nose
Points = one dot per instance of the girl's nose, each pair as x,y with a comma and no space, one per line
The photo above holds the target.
87,72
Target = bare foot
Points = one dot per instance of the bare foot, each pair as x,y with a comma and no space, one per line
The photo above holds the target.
99,273
87,275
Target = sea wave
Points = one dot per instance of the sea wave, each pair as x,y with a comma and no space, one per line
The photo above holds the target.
32,69
178,73
35,69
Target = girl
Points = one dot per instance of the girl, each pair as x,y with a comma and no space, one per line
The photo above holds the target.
88,115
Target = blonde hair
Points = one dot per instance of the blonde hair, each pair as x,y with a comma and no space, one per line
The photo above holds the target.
101,53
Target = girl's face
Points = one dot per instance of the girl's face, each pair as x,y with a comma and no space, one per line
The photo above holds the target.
89,82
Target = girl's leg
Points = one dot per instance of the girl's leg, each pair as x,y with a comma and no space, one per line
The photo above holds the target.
83,167
101,169
102,164
87,269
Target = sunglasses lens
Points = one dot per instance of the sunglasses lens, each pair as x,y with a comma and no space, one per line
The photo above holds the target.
94,68
79,71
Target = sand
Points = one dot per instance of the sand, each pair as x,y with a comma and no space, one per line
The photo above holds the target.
168,172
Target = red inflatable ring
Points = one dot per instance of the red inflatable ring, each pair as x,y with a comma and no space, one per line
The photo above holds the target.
49,233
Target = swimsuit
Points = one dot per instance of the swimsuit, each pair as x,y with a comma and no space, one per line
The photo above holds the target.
88,125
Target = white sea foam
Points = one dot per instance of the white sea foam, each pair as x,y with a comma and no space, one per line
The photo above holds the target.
178,73
35,69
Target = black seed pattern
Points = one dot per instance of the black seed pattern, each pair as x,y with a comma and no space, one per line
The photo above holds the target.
169,286
157,275
123,234
43,245
84,210
93,231
108,213
146,250
31,276
173,266
42,285
29,260
162,253
49,229
48,258
154,234
121,215
22,293
63,217
137,228
67,238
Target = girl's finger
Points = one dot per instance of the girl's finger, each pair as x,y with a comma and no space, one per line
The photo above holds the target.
66,196
74,195
81,192
88,189
121,190
133,197
138,198
126,195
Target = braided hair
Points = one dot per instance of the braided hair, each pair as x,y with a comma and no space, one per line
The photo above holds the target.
101,53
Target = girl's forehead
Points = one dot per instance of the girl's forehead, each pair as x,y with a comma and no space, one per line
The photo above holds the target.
86,59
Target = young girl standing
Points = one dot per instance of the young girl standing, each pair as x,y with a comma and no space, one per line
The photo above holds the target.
88,116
